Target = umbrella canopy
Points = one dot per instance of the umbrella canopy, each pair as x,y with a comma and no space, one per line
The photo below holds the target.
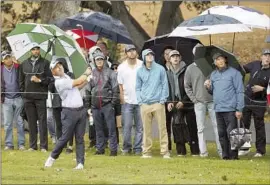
209,24
183,44
86,39
245,15
204,59
102,24
52,41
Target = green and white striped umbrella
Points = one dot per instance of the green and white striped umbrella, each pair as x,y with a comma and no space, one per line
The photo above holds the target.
62,45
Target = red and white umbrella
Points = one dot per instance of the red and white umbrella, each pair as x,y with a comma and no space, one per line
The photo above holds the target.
86,39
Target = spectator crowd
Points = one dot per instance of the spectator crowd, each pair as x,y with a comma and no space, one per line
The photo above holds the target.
123,100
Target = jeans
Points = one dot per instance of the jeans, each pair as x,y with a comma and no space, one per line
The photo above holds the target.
11,110
102,117
51,122
130,113
200,111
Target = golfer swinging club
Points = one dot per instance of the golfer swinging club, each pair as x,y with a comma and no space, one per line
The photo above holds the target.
73,115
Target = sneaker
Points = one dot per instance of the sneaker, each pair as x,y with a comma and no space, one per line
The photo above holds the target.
43,150
79,167
21,148
243,152
166,156
99,153
124,152
203,155
258,155
145,156
8,148
113,153
49,162
31,150
181,155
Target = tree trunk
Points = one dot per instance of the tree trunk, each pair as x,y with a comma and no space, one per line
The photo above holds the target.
52,10
137,33
170,11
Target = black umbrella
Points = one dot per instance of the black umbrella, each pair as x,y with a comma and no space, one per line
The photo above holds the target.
183,44
102,24
204,59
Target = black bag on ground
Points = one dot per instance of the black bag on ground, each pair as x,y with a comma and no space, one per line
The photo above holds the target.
179,127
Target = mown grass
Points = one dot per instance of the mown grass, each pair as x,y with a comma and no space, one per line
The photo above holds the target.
23,167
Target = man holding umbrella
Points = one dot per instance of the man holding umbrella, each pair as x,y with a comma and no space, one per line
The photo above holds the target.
255,100
34,77
227,88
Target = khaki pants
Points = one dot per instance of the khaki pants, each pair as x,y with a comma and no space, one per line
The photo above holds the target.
156,110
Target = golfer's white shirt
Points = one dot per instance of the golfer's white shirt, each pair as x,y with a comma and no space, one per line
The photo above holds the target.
70,96
127,77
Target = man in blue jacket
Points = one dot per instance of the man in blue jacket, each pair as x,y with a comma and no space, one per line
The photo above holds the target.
227,88
152,91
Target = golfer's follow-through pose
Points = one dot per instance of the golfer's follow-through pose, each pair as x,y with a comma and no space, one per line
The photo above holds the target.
73,115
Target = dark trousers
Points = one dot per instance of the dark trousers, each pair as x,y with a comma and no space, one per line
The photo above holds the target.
73,120
258,115
169,127
92,134
36,110
226,122
102,117
191,133
58,122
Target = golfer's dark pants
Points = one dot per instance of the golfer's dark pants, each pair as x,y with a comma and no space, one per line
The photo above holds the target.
226,122
258,115
58,122
36,110
193,137
169,127
73,120
102,117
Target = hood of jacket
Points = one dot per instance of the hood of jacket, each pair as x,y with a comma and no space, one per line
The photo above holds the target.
146,52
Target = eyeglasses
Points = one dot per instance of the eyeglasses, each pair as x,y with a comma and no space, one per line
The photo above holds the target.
114,68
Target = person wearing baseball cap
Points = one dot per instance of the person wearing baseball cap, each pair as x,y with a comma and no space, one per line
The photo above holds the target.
256,98
131,114
11,101
152,92
226,86
181,107
104,95
35,76
73,114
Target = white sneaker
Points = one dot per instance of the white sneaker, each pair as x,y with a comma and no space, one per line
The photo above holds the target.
79,167
21,148
243,152
144,156
166,156
43,150
258,155
204,155
49,162
179,155
246,145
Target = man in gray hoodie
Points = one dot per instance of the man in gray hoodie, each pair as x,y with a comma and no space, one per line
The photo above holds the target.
203,102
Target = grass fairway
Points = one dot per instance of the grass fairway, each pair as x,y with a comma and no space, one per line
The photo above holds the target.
23,167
